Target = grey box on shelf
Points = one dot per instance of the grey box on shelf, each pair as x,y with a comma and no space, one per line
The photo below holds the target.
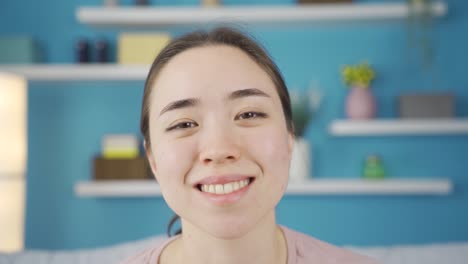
19,50
426,105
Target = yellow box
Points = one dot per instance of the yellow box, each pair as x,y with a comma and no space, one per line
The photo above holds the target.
120,153
140,48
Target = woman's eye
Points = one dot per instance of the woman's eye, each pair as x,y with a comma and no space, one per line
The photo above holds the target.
182,125
251,115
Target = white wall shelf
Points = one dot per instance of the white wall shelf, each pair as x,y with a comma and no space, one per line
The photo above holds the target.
166,16
78,72
395,127
149,188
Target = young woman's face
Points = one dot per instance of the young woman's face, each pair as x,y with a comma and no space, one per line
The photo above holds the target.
217,124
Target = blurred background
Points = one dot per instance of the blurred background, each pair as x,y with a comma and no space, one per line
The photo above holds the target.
52,128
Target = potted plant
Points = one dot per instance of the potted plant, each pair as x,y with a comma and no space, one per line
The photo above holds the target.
360,103
304,105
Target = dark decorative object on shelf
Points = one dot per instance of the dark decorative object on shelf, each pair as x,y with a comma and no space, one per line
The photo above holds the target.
82,51
102,51
141,2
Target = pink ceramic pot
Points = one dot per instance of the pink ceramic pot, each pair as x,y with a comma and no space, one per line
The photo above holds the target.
360,103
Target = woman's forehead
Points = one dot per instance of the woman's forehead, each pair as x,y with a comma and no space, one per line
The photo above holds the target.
209,71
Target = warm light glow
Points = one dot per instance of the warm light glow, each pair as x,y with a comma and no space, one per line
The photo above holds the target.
13,142
12,125
12,200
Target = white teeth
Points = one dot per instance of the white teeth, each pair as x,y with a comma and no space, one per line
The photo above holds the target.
219,189
224,188
236,186
211,188
228,187
243,183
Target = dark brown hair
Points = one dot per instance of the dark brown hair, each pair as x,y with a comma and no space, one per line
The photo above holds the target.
218,36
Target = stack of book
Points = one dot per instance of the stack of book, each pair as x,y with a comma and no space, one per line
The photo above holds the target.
120,159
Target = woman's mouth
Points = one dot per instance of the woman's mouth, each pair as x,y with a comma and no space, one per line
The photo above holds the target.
227,188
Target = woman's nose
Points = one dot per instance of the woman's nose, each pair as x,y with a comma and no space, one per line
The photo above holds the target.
219,146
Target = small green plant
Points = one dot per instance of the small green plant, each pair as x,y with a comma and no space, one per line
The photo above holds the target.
358,75
304,104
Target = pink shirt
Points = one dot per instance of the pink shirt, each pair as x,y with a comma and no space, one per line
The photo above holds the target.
302,249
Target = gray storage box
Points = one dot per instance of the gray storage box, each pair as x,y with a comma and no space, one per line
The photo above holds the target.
19,50
427,105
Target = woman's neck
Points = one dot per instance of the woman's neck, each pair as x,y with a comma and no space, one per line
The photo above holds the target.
265,243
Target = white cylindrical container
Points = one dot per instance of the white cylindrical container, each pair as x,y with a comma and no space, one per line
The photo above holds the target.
13,159
300,161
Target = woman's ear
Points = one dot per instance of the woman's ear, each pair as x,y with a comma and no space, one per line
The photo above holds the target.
149,156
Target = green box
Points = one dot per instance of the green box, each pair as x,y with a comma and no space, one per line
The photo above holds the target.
19,50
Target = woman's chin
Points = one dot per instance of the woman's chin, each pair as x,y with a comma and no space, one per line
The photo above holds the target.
228,233
231,228
227,230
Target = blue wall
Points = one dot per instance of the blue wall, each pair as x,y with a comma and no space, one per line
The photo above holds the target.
67,120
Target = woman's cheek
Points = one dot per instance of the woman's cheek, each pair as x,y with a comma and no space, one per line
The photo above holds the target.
174,161
271,150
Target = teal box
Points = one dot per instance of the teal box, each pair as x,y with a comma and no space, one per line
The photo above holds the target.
18,50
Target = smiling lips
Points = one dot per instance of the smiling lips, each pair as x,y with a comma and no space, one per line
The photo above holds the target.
222,185
224,188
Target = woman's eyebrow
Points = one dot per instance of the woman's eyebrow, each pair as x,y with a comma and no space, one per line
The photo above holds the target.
246,93
192,102
184,103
